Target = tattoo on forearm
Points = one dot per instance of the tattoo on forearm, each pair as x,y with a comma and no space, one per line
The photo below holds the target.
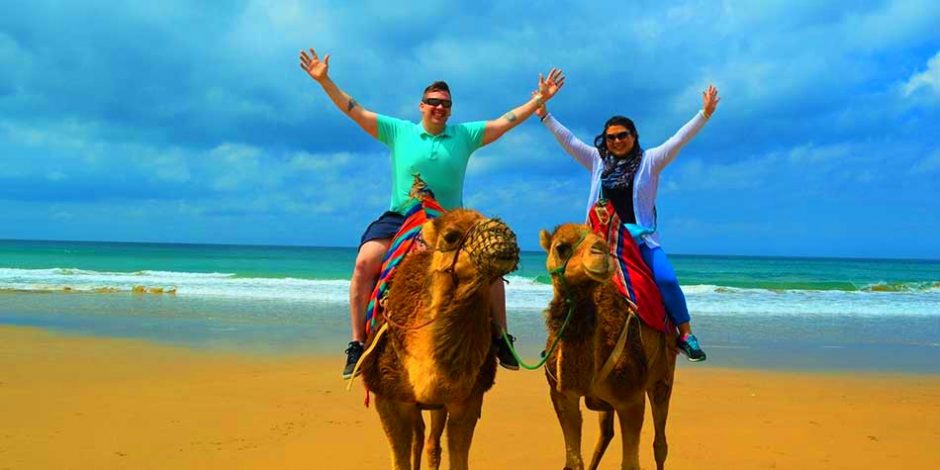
351,105
510,116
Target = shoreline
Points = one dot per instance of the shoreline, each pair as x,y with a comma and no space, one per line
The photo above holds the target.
822,341
90,402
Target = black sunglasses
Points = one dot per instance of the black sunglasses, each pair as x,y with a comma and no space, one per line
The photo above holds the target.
432,102
618,136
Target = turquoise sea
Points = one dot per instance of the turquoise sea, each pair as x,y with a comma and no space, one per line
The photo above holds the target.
781,313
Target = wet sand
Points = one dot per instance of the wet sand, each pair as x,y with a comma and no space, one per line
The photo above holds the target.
91,402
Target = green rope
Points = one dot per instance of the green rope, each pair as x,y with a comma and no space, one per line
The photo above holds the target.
560,272
548,353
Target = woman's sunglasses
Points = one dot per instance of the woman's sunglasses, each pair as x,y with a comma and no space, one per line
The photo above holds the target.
618,136
433,102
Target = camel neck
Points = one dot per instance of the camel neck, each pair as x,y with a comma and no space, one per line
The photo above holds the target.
584,318
463,325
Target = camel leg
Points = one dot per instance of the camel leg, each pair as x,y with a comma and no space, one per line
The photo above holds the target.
417,442
631,423
568,410
606,420
438,420
399,421
659,395
461,422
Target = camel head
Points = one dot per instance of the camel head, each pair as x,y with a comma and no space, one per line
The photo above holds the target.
471,247
578,252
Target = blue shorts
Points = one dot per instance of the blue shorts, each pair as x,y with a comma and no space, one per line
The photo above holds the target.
383,228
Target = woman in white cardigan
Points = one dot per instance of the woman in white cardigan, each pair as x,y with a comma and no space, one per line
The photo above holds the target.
628,176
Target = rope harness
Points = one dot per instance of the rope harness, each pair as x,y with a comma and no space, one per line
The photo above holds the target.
611,361
558,273
489,240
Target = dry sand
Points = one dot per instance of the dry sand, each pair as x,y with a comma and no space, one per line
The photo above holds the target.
79,402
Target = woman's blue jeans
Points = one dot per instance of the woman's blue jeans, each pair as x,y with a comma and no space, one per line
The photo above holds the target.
668,285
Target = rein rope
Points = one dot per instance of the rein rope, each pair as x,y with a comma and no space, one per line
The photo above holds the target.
408,327
457,250
560,273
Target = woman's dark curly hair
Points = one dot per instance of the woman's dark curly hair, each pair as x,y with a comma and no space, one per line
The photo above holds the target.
601,141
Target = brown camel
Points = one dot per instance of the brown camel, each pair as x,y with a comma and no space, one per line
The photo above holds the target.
590,363
437,349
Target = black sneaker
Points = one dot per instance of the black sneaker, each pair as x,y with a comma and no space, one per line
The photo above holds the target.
688,345
504,354
353,353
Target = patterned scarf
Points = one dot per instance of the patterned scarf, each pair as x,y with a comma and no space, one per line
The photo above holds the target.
619,172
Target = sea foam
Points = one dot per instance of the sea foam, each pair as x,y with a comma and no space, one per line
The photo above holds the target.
522,294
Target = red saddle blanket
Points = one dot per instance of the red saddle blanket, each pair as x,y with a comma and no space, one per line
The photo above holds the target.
633,277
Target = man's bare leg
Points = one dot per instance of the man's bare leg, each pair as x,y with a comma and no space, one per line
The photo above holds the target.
498,296
365,274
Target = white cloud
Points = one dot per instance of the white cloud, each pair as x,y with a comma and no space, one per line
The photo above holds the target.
61,214
697,174
813,154
543,193
865,176
56,176
927,81
527,150
807,166
12,53
319,163
889,24
236,166
171,166
929,164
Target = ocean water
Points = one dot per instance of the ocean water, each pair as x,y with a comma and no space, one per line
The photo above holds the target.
791,313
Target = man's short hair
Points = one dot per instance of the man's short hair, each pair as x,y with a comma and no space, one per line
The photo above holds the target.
437,86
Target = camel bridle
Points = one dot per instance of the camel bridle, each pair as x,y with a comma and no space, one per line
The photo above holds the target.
490,237
611,361
496,232
559,272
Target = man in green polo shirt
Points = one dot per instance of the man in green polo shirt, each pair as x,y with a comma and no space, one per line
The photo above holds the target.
433,149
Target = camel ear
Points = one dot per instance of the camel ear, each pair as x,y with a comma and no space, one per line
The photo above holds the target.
545,239
429,233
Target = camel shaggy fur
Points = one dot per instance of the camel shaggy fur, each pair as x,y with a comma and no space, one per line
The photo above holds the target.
577,369
437,352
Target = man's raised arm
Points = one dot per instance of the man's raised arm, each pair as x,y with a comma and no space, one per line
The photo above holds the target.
547,89
317,69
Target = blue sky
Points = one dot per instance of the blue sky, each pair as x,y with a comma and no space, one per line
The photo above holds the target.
192,122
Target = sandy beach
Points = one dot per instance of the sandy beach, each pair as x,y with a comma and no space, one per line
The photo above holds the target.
90,402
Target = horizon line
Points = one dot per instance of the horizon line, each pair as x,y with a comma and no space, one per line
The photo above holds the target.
263,245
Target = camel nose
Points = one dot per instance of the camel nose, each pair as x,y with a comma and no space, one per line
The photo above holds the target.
494,248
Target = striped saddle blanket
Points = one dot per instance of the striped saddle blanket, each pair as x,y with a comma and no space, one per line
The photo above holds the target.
633,277
405,241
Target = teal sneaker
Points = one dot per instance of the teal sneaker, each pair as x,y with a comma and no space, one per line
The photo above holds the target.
688,345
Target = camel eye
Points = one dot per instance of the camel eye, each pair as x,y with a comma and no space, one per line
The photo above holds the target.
451,237
563,249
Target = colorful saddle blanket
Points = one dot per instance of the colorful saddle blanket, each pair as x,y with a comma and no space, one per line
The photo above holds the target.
424,208
633,278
